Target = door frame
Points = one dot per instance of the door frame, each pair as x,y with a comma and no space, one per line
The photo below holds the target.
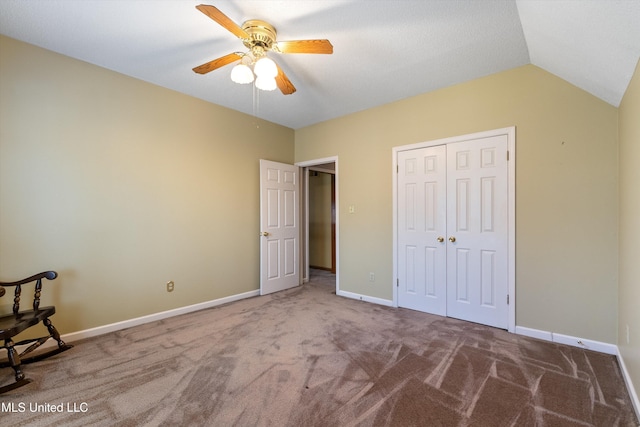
304,258
510,132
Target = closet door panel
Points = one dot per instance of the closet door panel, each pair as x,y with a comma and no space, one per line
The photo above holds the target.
477,230
422,215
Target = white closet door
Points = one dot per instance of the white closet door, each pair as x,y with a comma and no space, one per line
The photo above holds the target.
477,231
421,229
453,228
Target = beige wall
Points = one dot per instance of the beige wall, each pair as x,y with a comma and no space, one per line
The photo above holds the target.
566,180
629,228
121,186
320,220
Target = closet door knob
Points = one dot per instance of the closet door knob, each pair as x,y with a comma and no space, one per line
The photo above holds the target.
440,239
452,239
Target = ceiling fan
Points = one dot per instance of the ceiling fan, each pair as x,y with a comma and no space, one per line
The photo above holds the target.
259,37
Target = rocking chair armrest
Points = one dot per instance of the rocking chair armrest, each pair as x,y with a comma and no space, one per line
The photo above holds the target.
50,275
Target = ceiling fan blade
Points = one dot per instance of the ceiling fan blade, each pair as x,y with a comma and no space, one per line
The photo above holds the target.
304,46
222,19
283,82
217,63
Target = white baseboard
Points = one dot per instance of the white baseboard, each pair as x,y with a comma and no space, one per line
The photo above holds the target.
586,344
630,387
112,327
568,340
589,345
365,298
534,333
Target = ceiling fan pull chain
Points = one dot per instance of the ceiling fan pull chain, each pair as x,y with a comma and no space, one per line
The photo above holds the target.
256,103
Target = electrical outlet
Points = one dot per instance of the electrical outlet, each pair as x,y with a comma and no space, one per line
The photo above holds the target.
170,286
372,277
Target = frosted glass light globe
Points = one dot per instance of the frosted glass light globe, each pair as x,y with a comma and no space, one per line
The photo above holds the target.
266,83
265,67
241,74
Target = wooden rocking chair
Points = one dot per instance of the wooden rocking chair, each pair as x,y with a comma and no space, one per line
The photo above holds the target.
18,321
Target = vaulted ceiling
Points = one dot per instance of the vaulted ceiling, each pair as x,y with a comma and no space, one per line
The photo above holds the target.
384,51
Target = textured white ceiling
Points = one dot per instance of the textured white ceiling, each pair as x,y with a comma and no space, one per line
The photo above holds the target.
383,50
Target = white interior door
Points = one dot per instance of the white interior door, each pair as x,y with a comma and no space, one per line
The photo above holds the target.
477,231
422,226
452,221
279,226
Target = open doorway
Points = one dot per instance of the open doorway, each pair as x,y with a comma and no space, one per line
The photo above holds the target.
322,219
319,208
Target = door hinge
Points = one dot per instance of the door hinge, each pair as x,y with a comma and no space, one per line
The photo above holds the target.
397,283
397,168
507,299
507,155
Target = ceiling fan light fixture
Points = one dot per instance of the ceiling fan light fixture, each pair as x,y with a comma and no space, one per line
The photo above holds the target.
266,83
265,67
242,74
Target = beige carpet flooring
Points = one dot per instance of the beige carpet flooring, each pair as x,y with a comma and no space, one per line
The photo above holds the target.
305,357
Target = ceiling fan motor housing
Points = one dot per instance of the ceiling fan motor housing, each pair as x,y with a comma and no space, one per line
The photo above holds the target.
261,34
